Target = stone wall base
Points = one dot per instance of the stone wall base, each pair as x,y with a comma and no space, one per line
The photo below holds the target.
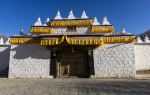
29,61
114,61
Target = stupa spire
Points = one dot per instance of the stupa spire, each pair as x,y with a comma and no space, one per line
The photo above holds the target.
47,20
105,21
71,15
58,15
146,39
138,40
1,41
84,15
21,32
96,22
123,30
38,22
39,19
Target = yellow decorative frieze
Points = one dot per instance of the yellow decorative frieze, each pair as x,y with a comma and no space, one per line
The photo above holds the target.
45,30
102,29
19,40
125,39
82,41
52,41
73,40
63,23
87,41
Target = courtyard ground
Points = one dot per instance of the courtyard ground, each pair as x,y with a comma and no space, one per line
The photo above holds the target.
74,87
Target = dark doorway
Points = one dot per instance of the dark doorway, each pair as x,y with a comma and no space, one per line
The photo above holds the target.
72,63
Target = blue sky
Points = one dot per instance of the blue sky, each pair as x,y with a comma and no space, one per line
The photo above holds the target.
134,15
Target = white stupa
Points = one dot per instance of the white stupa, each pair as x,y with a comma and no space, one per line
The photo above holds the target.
71,16
84,16
1,41
21,32
38,22
146,40
105,21
123,30
58,15
47,20
96,22
138,40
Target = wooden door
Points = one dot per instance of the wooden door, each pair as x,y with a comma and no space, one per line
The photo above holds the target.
72,64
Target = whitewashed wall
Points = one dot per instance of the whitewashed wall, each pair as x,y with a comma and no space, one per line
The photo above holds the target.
29,61
79,30
142,56
4,57
114,60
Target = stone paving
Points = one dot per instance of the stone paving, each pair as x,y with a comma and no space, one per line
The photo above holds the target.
74,87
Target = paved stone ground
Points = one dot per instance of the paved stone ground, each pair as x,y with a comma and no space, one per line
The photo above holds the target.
74,87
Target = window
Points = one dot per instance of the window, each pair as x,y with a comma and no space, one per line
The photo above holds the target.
72,28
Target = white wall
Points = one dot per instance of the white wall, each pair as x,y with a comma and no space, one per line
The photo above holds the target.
79,30
142,56
29,61
114,60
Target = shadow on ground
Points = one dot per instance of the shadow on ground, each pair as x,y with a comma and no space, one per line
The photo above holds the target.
74,87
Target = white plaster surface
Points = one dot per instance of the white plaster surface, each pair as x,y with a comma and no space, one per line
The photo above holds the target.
142,56
114,60
110,60
79,30
29,61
